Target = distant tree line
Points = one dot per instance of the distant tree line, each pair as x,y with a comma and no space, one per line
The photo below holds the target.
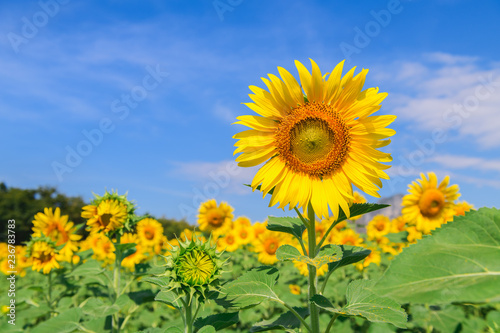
21,205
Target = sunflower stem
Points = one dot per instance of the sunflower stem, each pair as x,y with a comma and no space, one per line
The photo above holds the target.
302,217
299,317
330,324
116,284
189,315
311,233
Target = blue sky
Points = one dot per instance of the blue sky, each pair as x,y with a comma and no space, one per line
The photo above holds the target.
144,92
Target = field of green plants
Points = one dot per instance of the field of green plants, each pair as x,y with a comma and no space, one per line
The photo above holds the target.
330,268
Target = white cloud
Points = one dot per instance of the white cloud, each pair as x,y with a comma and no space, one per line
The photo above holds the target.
452,93
467,162
224,113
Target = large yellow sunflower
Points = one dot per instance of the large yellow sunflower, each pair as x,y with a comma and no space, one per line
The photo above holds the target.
215,218
56,226
107,216
150,232
318,145
429,205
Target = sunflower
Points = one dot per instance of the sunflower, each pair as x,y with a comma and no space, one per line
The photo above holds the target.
266,245
398,224
215,218
150,232
259,228
304,270
294,289
135,258
318,145
242,221
44,255
429,205
244,235
228,242
103,248
378,227
109,215
58,229
346,237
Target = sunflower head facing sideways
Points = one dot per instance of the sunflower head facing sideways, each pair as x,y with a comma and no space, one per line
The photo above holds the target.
318,138
109,213
215,218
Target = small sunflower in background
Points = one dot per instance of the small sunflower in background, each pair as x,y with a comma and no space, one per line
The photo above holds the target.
215,218
346,237
244,235
429,204
294,289
108,213
102,246
44,255
317,138
267,244
228,242
378,227
242,221
150,232
57,227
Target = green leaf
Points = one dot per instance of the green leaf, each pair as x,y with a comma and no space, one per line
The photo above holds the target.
362,302
285,321
350,255
207,329
218,321
168,297
289,225
91,267
160,281
141,296
458,263
96,307
360,209
174,330
444,320
67,321
252,288
398,237
327,254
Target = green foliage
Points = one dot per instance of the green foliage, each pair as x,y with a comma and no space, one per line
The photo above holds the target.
350,255
327,254
362,302
218,321
289,225
252,288
285,321
458,263
173,227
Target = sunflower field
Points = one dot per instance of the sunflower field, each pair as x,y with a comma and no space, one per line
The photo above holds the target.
433,268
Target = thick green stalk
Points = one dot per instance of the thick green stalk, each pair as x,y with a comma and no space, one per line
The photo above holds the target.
189,315
311,233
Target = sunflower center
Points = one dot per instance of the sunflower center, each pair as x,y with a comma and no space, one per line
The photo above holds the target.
380,226
432,202
106,219
149,234
313,139
271,246
215,218
349,241
230,239
196,267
